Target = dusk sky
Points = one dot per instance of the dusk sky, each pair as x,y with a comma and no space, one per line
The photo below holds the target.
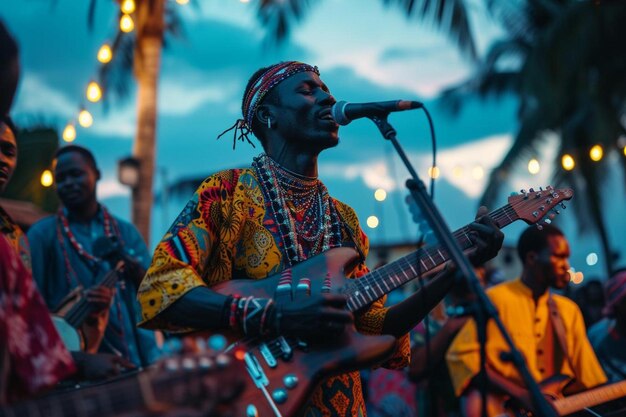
365,52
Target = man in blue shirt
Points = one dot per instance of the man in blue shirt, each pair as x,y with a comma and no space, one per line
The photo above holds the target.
64,250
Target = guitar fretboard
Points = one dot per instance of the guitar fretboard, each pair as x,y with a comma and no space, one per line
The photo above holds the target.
381,281
590,398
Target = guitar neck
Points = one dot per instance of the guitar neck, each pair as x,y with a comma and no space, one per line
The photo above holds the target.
395,274
593,397
81,310
96,401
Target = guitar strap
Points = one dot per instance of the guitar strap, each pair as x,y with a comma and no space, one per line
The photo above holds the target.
559,330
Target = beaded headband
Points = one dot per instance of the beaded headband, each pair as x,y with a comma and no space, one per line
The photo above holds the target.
274,75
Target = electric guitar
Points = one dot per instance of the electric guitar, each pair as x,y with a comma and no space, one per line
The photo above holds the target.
600,397
285,370
208,383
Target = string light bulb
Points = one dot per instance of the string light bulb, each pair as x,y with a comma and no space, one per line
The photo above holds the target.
46,178
533,166
567,162
126,23
478,172
105,54
596,152
380,194
94,93
69,133
85,119
433,172
372,222
128,6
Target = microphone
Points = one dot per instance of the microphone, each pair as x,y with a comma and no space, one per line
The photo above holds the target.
344,112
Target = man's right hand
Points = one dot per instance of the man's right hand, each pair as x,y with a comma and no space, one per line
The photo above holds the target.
313,317
100,297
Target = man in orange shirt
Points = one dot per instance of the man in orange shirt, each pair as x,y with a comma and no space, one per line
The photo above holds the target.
547,328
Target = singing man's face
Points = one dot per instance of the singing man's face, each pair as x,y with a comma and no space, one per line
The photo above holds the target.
302,112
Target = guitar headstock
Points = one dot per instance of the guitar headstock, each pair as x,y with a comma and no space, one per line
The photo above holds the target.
536,206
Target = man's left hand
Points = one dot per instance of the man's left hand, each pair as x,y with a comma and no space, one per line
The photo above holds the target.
486,236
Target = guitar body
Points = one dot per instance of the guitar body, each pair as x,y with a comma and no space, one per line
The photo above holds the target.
284,371
72,338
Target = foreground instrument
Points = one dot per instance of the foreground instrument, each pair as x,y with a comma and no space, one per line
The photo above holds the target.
285,370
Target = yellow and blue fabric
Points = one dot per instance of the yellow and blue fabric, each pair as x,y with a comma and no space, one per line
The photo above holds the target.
227,231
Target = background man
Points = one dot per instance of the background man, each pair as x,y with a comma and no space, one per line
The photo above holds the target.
63,250
547,328
608,336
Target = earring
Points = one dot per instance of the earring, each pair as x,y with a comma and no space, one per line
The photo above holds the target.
269,123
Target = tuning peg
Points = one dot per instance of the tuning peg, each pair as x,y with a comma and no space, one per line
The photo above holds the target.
205,363
555,195
549,188
535,214
557,211
172,364
532,190
540,188
563,206
523,191
542,208
539,226
547,221
189,363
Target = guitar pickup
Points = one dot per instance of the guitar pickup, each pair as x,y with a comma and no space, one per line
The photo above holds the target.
256,372
285,348
267,355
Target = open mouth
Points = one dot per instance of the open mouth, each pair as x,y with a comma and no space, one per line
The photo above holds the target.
326,115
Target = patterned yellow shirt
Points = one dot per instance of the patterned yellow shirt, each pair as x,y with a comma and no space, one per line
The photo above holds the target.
527,324
227,231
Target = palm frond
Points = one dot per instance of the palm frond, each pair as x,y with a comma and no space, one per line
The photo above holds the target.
277,16
448,16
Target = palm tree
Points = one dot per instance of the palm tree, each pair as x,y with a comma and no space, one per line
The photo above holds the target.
450,16
569,80
140,52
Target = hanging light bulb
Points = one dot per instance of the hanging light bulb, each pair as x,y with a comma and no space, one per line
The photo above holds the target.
596,153
568,163
433,172
46,178
94,93
69,133
183,2
380,194
478,172
105,54
126,23
85,119
128,6
372,222
533,166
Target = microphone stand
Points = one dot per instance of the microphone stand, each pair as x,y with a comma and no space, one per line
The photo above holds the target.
484,309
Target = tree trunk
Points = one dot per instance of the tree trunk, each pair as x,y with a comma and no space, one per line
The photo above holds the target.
147,68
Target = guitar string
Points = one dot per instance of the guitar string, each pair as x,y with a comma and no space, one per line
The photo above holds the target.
75,315
395,268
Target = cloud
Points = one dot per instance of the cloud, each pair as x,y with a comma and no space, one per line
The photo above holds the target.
38,97
108,188
455,164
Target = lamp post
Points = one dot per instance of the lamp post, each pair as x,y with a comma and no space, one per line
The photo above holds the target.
128,171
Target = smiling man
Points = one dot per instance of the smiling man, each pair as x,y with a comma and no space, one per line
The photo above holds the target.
260,221
63,249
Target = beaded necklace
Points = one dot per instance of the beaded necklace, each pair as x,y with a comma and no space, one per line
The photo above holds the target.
301,207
